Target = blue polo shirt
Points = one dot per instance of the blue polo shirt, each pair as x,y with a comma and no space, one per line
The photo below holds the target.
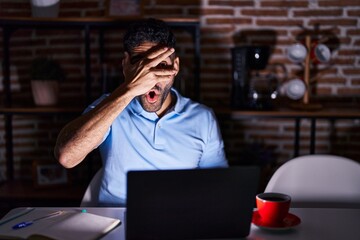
186,137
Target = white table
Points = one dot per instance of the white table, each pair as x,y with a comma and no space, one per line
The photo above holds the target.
316,223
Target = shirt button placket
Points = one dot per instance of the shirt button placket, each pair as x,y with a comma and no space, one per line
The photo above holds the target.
157,127
157,137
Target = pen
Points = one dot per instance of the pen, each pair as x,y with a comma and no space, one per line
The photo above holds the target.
21,213
28,223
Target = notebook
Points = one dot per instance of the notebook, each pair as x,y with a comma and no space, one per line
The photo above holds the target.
190,204
44,223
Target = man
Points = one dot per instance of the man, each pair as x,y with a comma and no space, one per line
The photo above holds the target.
144,123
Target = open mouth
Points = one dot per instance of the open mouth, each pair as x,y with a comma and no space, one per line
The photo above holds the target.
152,96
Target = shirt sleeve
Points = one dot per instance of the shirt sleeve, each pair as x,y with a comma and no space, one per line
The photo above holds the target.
214,153
92,106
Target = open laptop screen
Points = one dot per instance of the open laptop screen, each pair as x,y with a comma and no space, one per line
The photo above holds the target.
190,204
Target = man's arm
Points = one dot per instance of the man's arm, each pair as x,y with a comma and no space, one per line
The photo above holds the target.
79,137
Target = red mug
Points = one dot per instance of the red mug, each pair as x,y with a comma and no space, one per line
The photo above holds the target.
272,207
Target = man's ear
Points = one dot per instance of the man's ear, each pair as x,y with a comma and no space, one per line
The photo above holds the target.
177,65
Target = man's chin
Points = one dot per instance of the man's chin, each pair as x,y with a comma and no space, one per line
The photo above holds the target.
150,107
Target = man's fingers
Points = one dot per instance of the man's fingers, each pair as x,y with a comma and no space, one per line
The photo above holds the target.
164,78
158,57
163,72
157,52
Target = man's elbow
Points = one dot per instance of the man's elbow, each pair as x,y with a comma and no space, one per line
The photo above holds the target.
65,160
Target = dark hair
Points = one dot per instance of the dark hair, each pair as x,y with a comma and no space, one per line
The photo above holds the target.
148,30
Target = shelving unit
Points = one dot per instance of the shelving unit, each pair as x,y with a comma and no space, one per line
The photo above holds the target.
331,113
10,25
16,193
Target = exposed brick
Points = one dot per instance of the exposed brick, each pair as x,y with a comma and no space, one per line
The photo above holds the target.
327,31
228,21
347,61
278,23
354,32
351,71
70,14
264,13
318,13
164,11
333,80
338,3
5,5
231,3
181,3
353,13
355,82
76,40
349,91
17,14
211,11
334,22
349,52
79,5
216,50
284,4
323,91
357,43
94,13
217,30
212,61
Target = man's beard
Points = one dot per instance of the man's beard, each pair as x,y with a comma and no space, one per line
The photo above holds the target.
159,93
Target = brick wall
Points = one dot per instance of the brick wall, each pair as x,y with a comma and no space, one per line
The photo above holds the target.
224,24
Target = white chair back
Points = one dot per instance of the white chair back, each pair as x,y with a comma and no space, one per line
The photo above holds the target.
91,196
318,181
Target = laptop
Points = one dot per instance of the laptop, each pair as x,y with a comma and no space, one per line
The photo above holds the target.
212,203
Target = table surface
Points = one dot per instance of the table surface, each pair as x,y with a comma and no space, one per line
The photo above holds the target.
316,223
